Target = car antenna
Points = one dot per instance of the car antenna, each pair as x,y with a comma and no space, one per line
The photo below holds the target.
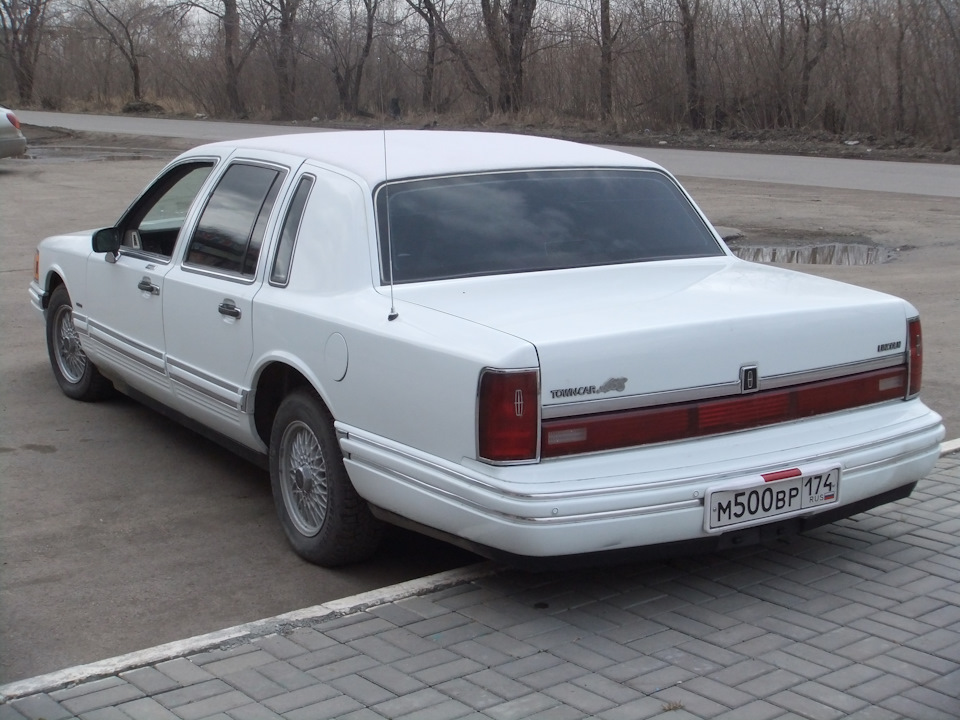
393,315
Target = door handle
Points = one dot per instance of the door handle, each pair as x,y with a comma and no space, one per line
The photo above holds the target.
228,308
148,286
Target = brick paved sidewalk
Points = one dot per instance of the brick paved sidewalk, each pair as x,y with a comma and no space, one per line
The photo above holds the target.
860,619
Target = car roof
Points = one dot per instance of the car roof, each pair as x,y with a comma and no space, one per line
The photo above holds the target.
375,155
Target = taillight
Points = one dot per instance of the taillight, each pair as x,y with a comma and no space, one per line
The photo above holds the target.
13,120
36,266
508,416
914,357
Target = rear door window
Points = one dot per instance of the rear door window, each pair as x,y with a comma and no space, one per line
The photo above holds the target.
230,231
280,273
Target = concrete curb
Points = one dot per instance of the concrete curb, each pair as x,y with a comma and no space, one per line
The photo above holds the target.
949,447
258,628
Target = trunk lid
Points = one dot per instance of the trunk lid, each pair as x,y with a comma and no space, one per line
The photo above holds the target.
635,335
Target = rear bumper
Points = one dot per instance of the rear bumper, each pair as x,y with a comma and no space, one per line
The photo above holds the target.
652,496
776,530
12,146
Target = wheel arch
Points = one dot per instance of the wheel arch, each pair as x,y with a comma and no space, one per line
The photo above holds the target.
52,281
274,381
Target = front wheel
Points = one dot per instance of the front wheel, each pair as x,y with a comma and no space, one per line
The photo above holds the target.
322,515
77,377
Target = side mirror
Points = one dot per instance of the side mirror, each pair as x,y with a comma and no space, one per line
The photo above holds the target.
107,240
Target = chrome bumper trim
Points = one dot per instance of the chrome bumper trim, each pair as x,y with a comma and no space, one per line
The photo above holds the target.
347,438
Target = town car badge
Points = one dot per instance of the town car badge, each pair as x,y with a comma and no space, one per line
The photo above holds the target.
611,385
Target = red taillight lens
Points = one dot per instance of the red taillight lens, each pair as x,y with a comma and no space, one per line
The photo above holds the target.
508,415
13,120
915,356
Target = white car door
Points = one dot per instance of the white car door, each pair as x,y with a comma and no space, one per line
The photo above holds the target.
208,298
123,308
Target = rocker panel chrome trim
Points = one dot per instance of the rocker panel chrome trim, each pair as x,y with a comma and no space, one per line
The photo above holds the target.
236,398
122,344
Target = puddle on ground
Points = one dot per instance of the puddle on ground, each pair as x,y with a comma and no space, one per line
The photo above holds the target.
91,153
820,254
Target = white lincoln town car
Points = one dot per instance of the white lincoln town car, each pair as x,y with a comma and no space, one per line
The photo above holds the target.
538,350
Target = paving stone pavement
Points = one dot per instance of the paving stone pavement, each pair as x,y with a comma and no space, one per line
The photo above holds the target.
858,620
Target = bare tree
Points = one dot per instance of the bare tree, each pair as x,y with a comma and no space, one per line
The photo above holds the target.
346,29
279,20
878,67
21,35
950,12
689,15
430,14
236,47
812,12
607,38
508,24
474,83
128,25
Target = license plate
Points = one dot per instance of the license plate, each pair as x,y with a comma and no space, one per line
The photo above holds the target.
754,500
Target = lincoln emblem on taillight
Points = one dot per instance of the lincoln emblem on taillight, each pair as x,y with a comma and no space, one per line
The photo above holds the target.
749,379
518,403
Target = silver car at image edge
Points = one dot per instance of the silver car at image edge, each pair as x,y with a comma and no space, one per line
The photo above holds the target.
12,141
536,349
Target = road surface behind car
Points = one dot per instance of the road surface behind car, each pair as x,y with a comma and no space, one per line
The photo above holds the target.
120,530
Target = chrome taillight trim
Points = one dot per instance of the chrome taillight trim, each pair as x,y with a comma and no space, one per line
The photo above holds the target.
910,392
710,392
476,420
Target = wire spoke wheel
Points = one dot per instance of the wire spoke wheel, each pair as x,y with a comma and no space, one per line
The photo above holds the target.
76,374
323,517
67,351
303,477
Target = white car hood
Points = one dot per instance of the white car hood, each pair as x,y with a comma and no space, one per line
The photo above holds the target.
673,325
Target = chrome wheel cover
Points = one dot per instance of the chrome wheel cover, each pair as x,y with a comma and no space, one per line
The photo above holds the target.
303,478
71,359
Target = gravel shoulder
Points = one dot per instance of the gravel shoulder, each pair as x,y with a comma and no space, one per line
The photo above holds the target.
901,148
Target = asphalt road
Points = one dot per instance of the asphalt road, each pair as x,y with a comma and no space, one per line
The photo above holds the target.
899,177
120,530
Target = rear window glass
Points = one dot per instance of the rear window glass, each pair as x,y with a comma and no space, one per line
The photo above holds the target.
498,223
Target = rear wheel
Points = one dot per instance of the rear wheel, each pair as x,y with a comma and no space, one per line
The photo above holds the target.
323,517
77,377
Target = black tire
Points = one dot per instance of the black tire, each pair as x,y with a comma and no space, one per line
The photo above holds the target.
323,517
77,377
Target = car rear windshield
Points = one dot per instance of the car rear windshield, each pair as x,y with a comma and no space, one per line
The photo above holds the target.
496,223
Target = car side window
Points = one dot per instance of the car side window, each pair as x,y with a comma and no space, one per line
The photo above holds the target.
153,224
230,231
280,273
